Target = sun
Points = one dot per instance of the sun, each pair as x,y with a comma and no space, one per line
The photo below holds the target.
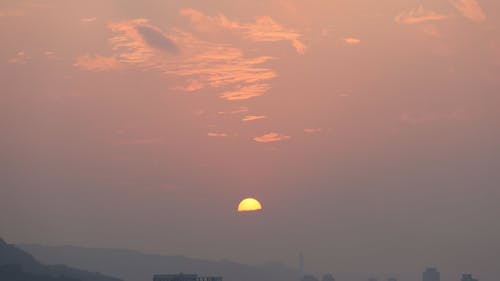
249,205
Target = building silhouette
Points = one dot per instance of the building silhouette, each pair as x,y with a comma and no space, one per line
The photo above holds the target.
327,277
431,274
468,277
309,277
184,277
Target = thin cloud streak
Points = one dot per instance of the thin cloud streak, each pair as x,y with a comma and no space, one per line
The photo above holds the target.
192,86
217,134
253,118
470,9
243,92
264,29
313,130
241,109
271,137
352,40
20,58
88,20
96,63
418,15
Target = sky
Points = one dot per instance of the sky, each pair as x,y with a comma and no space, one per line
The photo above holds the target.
368,130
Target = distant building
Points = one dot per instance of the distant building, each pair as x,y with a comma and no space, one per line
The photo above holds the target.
184,277
468,277
431,274
308,277
327,277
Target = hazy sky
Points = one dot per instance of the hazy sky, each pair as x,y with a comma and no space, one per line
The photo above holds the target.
369,130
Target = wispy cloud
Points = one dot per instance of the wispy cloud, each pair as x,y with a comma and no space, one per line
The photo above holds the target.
431,30
217,134
253,118
88,20
313,130
138,43
470,9
243,92
264,29
192,85
96,63
418,15
20,58
352,40
241,109
271,137
155,38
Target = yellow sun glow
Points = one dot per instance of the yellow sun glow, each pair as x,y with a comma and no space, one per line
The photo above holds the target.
249,205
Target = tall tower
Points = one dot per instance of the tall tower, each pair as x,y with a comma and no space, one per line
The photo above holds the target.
301,265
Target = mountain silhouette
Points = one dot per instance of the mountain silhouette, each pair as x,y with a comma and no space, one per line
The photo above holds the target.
132,265
17,265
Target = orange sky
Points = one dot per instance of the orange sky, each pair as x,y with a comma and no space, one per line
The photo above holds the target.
368,129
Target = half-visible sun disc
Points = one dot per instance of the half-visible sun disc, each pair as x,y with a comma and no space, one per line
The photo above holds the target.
249,205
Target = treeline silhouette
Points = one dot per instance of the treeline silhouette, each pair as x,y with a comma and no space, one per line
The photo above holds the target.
15,272
17,265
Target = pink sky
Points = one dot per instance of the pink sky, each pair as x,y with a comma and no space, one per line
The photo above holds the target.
367,129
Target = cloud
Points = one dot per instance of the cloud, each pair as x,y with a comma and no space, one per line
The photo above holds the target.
155,38
96,63
216,134
351,40
49,54
253,118
271,137
431,30
418,15
205,23
264,29
243,92
140,43
470,9
137,43
88,20
20,58
313,130
193,85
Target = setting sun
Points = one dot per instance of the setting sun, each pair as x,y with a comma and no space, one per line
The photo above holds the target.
249,205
